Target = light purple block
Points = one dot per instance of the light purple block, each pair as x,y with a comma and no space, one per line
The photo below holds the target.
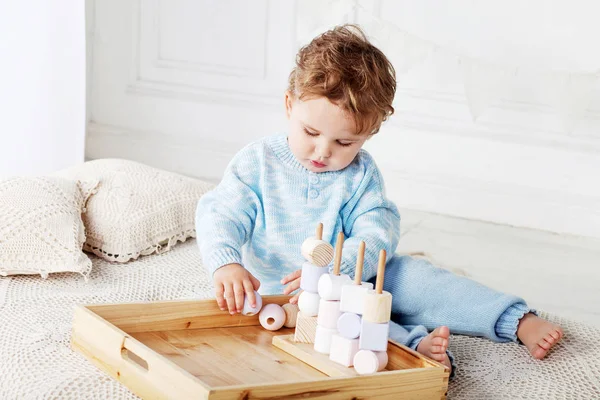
309,280
349,325
374,336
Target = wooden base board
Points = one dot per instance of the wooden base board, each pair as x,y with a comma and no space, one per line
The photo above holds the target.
306,353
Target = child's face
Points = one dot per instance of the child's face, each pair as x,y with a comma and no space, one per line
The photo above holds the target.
322,136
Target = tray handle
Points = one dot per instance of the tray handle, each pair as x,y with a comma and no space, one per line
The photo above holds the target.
135,353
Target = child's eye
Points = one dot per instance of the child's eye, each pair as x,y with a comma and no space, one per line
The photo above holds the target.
345,144
310,133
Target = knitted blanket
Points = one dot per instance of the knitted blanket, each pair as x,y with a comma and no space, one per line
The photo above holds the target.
36,360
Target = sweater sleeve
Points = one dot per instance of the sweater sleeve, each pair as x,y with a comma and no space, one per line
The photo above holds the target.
225,217
371,217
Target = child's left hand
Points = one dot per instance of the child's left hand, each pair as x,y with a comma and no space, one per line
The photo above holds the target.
294,278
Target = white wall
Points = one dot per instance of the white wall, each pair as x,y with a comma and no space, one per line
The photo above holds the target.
183,84
42,85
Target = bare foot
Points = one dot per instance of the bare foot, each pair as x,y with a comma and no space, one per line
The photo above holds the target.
435,345
538,335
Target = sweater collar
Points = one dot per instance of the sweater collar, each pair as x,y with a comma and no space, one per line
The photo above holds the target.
281,148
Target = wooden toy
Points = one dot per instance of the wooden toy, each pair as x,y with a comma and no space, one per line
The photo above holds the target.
369,362
309,280
291,314
306,327
343,350
192,349
378,304
272,317
329,313
352,296
323,339
330,285
349,325
308,303
374,335
316,251
249,311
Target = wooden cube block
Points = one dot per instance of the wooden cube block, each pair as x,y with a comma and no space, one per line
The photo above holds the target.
343,350
349,325
352,298
306,328
317,252
323,339
330,286
378,307
374,336
309,280
308,303
329,313
369,362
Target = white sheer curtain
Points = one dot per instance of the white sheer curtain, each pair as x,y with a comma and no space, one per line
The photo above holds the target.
42,85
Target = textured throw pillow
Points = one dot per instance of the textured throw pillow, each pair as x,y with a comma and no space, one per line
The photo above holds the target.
136,209
41,230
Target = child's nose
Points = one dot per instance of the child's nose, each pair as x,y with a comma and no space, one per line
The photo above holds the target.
324,150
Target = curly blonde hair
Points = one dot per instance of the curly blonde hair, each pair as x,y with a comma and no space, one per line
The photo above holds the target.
343,66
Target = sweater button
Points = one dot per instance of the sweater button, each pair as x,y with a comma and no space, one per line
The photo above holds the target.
313,194
314,179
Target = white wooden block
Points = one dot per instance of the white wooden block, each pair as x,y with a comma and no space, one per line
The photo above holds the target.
291,314
352,298
247,310
343,350
323,339
378,307
309,280
369,362
349,325
317,251
308,303
330,285
306,328
272,317
329,313
374,336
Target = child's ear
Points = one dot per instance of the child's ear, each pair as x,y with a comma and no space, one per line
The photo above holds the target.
289,100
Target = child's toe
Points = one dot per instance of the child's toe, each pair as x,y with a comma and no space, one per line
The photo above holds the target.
544,344
437,341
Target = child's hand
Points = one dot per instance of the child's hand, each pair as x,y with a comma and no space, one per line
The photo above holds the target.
294,278
232,282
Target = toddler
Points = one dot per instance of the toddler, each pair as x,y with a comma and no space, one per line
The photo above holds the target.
251,227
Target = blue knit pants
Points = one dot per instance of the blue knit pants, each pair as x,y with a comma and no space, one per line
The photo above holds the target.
425,297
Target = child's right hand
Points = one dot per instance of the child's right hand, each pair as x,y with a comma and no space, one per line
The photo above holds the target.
233,282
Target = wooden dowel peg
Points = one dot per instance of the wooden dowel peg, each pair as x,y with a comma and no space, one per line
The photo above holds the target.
360,260
337,262
319,232
380,272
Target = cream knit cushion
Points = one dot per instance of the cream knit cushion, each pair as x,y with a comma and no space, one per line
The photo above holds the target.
41,230
136,209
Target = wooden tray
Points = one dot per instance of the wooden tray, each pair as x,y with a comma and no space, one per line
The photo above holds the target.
193,350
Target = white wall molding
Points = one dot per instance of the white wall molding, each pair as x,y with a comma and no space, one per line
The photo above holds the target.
188,155
197,94
521,206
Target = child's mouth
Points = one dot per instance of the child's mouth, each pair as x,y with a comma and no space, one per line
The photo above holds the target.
317,164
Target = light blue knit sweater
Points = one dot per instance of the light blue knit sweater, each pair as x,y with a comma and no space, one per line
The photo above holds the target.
267,204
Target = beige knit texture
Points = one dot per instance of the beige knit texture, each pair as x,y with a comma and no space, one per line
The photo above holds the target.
136,210
41,230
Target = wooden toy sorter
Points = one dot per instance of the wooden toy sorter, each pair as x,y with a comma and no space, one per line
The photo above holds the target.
193,350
